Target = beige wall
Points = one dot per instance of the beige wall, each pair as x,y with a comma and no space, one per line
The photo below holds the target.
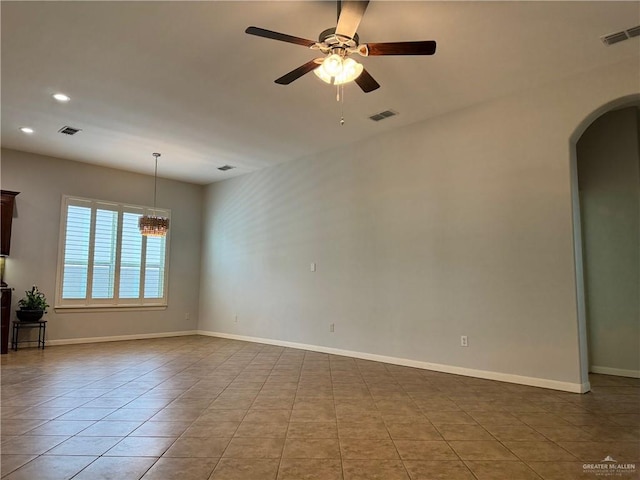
41,182
609,180
461,225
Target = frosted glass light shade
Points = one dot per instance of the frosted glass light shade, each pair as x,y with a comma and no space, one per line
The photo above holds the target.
350,70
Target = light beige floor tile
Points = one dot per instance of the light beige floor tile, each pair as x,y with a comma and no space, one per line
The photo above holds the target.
438,470
181,469
413,431
38,413
61,427
209,388
206,429
107,402
51,467
140,447
311,448
438,417
374,429
600,433
116,468
564,471
268,416
221,415
541,419
374,470
362,449
245,469
492,470
211,447
424,450
177,415
568,433
87,413
263,430
241,447
12,427
9,463
310,469
104,428
539,451
312,430
481,450
596,451
464,432
493,419
91,446
31,445
132,414
160,429
519,433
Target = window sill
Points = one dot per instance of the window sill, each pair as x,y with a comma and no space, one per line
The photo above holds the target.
108,308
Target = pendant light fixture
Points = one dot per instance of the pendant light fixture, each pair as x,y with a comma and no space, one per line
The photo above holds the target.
153,225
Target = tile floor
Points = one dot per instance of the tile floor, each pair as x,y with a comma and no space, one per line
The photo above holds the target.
202,408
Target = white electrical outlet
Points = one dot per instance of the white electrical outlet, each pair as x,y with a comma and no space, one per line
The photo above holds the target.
313,266
186,316
332,327
464,341
235,319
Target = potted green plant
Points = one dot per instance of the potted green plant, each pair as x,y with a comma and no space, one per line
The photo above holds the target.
33,306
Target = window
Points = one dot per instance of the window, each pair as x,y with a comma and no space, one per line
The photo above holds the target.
104,261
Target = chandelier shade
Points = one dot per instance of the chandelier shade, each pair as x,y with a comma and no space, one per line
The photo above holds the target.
154,225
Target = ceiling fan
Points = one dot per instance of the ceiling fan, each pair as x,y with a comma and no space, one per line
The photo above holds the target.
337,44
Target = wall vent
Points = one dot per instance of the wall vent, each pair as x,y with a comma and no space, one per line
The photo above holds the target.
224,168
633,32
382,115
620,36
69,130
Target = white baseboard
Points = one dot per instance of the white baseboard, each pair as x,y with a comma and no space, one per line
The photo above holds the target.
619,372
119,338
468,372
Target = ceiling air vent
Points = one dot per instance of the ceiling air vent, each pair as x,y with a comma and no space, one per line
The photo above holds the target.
620,36
224,168
382,115
69,130
633,32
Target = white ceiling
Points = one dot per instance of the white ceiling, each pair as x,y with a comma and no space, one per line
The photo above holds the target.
183,79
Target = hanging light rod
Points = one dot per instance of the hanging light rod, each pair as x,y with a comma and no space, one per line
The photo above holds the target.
154,225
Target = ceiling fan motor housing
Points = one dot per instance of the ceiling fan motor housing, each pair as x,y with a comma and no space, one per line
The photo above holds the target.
329,38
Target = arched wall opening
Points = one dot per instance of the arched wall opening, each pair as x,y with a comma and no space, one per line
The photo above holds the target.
579,247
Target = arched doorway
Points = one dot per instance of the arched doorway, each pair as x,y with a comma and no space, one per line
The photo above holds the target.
605,157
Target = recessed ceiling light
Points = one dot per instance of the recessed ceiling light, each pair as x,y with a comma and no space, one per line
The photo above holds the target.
61,97
28,130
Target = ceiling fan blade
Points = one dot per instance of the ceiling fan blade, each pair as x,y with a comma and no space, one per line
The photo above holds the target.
427,47
261,32
366,82
298,72
351,13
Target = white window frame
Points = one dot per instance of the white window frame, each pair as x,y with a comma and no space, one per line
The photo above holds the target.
89,303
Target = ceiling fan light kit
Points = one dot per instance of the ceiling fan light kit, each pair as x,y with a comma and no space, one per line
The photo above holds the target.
337,44
336,70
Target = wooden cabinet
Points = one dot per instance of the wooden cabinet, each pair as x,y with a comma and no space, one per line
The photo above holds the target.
5,313
6,217
8,201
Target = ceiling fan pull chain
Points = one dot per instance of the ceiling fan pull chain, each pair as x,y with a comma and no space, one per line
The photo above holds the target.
341,90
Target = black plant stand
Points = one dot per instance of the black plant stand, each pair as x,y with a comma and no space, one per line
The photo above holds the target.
41,325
